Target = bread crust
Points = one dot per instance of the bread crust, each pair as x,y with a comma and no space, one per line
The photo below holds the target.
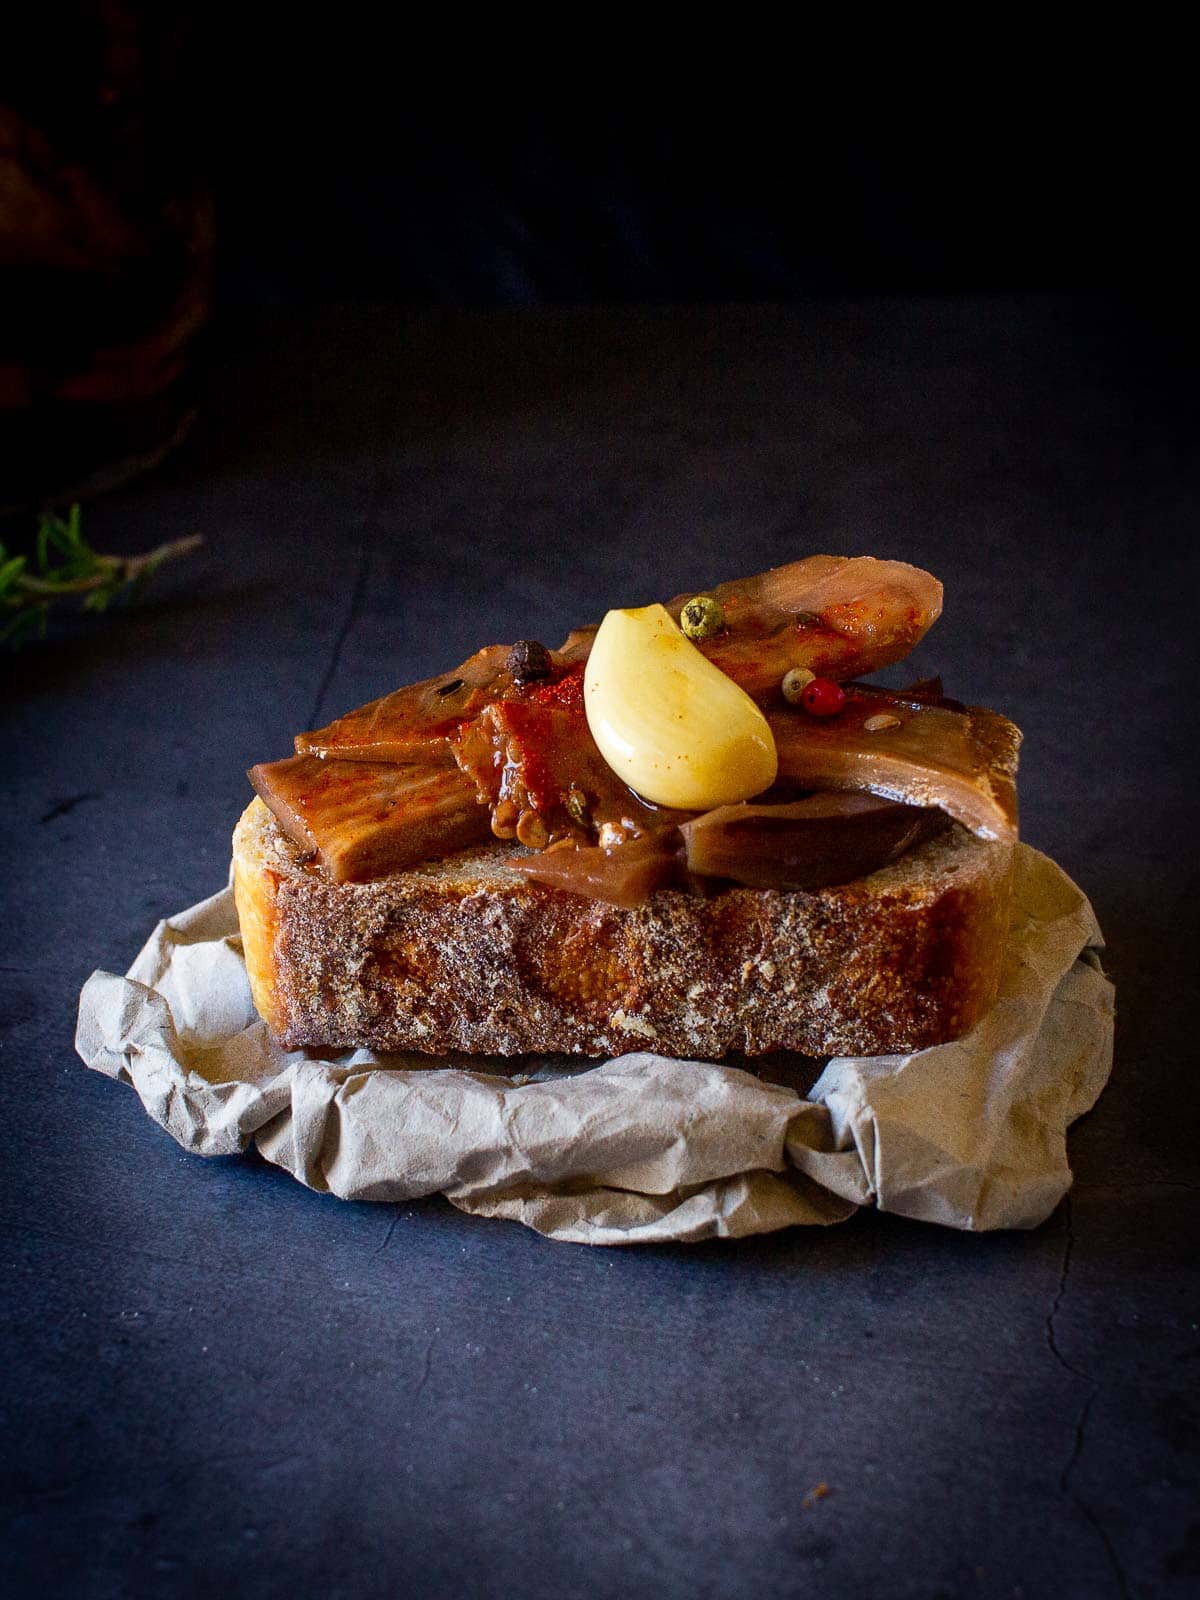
465,954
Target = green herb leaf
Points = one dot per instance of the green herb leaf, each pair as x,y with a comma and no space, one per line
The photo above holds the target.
64,564
10,571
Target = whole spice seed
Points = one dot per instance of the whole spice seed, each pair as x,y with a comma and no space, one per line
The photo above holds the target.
794,684
504,819
529,661
577,805
532,832
822,697
877,723
701,618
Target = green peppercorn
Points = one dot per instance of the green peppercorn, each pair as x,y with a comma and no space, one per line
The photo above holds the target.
701,618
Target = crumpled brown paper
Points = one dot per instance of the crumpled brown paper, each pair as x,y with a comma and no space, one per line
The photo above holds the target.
641,1148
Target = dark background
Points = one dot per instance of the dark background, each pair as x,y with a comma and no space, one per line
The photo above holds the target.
747,186
345,159
695,197
584,164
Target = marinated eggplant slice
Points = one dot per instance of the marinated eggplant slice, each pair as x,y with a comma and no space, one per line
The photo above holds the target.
361,819
624,876
900,748
839,616
813,843
413,724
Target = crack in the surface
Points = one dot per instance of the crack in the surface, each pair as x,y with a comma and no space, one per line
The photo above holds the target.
387,1238
357,592
1064,1477
64,807
1063,1275
1081,1421
426,1369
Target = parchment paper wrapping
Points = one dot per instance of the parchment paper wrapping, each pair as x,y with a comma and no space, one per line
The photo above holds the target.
970,1134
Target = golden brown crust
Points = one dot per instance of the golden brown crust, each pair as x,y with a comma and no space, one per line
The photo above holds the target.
254,884
466,955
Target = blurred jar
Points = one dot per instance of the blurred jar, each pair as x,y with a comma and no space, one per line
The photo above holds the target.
105,243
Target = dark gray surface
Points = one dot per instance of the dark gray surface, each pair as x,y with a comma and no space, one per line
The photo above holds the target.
216,1382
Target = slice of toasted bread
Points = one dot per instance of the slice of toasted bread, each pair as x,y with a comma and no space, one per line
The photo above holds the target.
464,954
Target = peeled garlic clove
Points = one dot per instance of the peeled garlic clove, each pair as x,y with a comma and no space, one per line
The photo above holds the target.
668,722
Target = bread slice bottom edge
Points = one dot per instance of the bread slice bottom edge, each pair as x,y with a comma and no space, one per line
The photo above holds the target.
466,955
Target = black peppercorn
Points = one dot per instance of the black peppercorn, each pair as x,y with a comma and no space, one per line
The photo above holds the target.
529,661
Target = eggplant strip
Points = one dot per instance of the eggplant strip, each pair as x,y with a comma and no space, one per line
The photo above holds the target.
838,616
810,844
415,724
963,762
362,820
626,875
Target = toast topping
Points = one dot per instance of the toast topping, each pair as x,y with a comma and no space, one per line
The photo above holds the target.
810,844
841,617
537,756
814,843
413,725
837,616
914,750
757,708
361,820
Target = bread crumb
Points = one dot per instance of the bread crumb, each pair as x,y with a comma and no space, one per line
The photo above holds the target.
817,1492
747,969
768,969
638,1025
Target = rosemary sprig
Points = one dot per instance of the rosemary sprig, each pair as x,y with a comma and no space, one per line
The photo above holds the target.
64,564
